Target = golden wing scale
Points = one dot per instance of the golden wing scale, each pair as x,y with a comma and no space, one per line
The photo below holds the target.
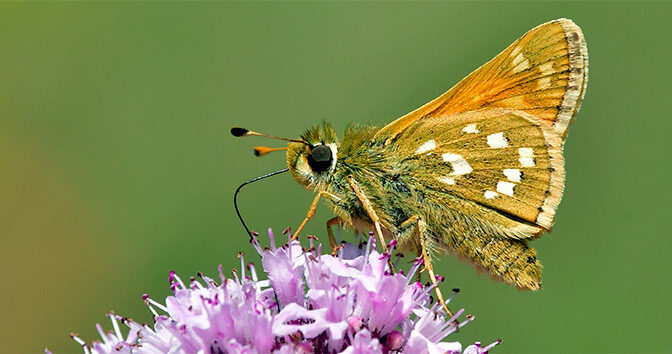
476,172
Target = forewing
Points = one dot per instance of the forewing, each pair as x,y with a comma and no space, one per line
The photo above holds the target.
543,73
505,160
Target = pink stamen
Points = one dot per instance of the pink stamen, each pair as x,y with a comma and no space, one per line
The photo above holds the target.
253,271
271,239
492,345
176,277
115,325
154,303
76,338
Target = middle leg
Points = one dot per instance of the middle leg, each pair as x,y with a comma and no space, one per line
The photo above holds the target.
420,227
332,240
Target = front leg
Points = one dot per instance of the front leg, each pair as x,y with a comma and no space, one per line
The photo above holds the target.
368,207
311,210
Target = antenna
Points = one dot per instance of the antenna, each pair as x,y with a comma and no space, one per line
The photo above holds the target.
235,195
262,150
240,132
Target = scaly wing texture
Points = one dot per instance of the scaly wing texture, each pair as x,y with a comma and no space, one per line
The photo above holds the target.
544,73
504,160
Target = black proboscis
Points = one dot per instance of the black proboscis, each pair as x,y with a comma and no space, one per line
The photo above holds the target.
235,195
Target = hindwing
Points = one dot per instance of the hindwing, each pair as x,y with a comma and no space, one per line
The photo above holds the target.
505,160
544,73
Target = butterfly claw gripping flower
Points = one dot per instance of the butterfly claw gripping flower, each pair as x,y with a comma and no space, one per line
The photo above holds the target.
311,303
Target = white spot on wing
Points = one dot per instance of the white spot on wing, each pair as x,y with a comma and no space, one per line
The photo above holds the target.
520,63
522,66
427,146
497,141
460,165
490,194
513,174
505,187
446,180
515,51
544,83
546,68
526,157
471,129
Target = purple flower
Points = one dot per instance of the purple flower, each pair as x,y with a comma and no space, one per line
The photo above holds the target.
311,303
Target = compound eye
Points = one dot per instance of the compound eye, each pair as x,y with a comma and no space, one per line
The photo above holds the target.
321,153
320,158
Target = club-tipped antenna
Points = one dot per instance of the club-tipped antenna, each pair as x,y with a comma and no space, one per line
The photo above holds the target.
263,150
240,132
235,195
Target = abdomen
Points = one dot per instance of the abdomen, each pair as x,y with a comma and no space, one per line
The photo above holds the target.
507,260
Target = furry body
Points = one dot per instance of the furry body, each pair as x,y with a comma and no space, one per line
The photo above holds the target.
397,193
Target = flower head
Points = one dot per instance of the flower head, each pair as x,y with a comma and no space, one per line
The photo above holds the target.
310,303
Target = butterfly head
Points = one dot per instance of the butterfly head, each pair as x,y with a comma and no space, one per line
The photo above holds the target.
312,161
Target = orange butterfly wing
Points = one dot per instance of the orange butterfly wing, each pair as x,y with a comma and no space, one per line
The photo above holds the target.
543,73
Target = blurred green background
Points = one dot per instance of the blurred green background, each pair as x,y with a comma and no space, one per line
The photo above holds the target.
116,165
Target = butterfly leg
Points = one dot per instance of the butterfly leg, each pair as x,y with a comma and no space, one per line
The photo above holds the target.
366,203
421,228
311,210
332,240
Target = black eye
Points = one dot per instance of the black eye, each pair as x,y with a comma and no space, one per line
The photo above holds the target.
320,158
321,153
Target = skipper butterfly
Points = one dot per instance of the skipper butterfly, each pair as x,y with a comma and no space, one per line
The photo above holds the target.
477,172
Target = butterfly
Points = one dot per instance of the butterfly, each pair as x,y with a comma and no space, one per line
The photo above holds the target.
477,172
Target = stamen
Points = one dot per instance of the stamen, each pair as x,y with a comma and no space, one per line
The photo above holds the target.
417,263
253,272
174,276
101,333
309,266
149,300
115,325
391,246
221,274
310,241
455,291
367,251
456,316
271,239
257,247
492,345
288,232
242,264
469,319
76,338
